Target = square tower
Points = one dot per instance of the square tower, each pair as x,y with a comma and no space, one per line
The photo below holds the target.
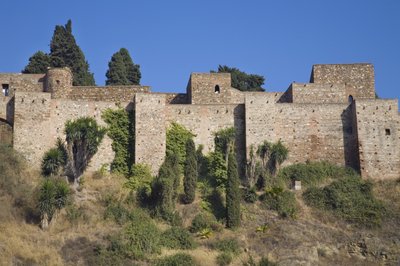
209,88
358,78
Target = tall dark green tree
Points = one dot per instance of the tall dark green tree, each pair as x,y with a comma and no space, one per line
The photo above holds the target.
243,81
38,63
232,194
64,52
122,70
190,172
165,186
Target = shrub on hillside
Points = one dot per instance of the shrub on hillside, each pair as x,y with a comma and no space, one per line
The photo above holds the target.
250,195
224,259
116,210
314,173
138,239
350,198
177,260
177,238
16,188
142,238
265,262
280,200
203,221
228,245
140,178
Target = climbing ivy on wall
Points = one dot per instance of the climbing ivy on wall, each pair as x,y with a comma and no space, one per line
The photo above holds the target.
177,136
121,130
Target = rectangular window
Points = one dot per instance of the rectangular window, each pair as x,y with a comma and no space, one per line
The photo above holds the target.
387,132
5,89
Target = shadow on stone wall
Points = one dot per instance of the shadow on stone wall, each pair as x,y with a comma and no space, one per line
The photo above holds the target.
6,132
350,137
10,111
239,124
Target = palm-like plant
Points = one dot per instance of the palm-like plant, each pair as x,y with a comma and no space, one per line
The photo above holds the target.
83,138
53,196
279,154
264,151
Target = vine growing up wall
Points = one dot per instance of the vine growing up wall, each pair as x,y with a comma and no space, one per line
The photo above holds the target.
177,136
121,130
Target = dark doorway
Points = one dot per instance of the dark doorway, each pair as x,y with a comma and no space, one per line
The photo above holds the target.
5,89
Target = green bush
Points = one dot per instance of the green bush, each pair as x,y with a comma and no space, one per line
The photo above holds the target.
228,245
313,173
265,262
179,259
350,198
204,220
139,238
140,177
224,259
177,238
172,218
217,169
121,212
250,195
280,200
117,211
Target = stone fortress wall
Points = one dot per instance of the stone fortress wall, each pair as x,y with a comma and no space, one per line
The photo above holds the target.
335,117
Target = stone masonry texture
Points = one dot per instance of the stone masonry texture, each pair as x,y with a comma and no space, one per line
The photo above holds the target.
335,117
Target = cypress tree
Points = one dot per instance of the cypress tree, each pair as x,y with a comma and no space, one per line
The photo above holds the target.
132,70
232,194
122,70
64,52
38,63
190,172
166,185
116,73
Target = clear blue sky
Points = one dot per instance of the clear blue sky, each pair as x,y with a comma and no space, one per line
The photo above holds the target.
280,40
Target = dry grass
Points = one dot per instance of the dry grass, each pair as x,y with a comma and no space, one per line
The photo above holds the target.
25,243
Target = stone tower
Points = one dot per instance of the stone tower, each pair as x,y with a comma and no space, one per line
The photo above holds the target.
58,82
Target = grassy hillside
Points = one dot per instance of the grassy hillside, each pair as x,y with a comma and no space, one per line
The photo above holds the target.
328,222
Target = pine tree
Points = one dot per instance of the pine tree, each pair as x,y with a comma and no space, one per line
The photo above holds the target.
190,172
122,70
64,52
232,194
241,80
38,63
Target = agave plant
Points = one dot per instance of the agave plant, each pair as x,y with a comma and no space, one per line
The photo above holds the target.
205,233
